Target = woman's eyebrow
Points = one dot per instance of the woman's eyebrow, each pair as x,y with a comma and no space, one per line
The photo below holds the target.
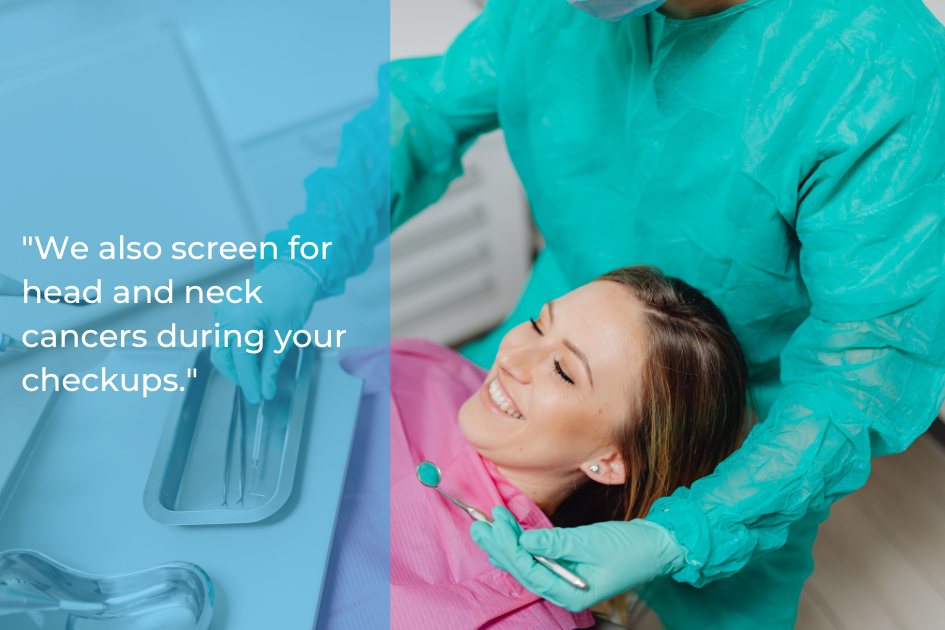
583,357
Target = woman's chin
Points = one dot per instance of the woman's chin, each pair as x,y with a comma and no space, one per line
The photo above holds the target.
484,428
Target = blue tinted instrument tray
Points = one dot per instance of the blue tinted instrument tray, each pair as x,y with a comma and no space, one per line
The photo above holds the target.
186,485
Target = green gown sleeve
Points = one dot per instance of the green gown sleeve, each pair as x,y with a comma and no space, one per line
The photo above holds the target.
431,109
439,106
346,204
863,375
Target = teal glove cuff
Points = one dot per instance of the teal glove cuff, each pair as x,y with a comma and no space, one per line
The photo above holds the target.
321,286
689,529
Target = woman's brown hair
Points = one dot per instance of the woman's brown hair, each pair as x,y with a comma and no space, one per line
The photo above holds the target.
689,406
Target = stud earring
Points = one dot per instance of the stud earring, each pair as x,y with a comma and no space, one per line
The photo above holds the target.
595,468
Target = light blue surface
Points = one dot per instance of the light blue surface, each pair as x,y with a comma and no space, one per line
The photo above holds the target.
150,118
143,112
120,125
266,65
79,500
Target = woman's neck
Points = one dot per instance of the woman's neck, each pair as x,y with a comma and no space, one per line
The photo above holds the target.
689,9
546,490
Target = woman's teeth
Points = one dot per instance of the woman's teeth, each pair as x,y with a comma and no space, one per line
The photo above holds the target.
495,393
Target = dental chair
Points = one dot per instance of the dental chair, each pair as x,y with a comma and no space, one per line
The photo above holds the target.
603,624
625,612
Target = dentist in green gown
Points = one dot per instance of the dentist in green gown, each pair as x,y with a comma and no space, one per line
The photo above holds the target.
785,157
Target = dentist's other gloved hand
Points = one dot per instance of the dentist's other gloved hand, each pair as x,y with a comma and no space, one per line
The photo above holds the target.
611,557
288,293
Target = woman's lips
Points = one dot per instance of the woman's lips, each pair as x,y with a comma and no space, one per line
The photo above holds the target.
500,398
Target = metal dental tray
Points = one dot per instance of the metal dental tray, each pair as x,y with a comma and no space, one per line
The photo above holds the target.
186,480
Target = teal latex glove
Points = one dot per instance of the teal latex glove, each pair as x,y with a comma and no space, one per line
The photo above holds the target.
287,293
611,557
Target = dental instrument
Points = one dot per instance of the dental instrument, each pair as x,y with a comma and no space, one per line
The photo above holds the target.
236,422
11,345
257,442
10,287
13,600
260,422
429,475
184,485
298,367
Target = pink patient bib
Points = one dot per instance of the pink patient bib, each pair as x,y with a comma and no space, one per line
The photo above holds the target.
439,578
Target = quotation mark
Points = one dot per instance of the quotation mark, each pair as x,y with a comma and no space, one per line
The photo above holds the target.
191,373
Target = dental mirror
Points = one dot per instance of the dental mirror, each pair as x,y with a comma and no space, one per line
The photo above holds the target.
429,475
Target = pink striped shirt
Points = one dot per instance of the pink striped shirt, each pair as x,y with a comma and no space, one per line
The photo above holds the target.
439,577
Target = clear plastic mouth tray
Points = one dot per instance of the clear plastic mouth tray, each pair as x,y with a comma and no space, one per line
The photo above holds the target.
45,594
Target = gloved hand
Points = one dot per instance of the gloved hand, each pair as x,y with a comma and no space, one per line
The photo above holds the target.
287,295
611,557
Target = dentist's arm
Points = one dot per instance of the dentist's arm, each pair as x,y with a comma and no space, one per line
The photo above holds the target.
346,206
396,158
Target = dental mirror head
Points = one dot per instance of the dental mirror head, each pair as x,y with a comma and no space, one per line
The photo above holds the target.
429,474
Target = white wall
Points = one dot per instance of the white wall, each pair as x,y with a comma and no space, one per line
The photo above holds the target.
458,268
419,28
938,8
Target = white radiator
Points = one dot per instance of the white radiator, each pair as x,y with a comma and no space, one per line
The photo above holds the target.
458,267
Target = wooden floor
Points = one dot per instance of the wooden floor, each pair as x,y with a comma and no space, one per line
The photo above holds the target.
880,557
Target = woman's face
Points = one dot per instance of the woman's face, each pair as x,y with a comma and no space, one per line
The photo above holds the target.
558,388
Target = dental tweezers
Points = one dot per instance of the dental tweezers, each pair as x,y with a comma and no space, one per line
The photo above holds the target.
260,426
236,424
257,441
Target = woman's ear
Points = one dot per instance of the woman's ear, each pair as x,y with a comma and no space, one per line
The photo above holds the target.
607,469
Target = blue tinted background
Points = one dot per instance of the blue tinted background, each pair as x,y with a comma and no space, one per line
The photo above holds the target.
178,121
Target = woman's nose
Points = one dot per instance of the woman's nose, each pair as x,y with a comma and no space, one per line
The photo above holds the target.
520,360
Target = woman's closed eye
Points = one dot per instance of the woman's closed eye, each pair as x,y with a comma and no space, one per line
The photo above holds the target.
535,326
562,374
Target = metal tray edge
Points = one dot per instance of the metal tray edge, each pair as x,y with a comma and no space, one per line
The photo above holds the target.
160,514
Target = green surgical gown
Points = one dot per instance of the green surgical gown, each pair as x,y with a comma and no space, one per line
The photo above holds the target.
786,158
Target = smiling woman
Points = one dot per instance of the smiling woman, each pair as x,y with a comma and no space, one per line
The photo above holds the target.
624,390
615,395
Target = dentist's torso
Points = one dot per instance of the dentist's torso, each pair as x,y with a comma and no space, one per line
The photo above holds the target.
696,146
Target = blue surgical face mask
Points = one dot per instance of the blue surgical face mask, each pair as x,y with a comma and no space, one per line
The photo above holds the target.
613,10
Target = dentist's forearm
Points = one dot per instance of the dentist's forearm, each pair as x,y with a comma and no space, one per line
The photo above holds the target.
348,205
